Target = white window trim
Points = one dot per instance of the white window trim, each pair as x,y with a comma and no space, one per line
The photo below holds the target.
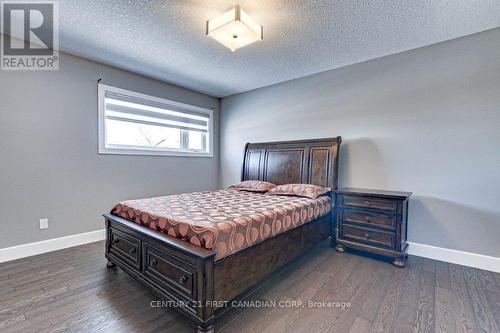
130,150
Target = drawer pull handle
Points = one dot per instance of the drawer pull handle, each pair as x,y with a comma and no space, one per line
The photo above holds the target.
183,279
115,240
367,236
154,262
132,251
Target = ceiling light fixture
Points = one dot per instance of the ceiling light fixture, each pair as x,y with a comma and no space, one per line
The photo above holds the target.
234,29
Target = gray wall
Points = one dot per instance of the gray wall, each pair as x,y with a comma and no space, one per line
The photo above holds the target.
48,150
426,121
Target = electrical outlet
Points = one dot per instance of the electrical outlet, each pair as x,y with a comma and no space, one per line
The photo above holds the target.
44,224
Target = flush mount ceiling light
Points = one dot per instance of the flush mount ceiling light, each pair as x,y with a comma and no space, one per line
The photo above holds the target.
234,29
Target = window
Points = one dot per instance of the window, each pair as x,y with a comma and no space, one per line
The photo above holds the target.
133,123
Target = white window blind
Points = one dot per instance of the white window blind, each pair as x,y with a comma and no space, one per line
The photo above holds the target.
133,123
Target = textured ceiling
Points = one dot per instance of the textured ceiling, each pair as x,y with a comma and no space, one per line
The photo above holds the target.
166,39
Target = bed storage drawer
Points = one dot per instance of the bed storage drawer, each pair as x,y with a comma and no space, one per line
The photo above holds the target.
169,272
369,203
125,247
368,236
369,219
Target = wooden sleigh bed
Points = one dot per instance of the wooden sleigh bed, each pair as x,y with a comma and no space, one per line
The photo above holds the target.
189,275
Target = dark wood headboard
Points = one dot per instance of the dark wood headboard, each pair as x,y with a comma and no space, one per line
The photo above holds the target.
293,162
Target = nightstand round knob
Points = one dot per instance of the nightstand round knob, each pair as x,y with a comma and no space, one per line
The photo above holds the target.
367,236
183,279
154,262
132,251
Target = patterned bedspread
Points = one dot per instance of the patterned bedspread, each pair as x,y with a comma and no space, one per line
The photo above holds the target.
227,221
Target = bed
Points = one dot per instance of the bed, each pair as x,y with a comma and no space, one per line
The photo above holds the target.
197,268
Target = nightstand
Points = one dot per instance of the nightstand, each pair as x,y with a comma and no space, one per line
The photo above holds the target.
372,221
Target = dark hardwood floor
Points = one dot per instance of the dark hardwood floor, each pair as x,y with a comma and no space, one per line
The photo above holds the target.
72,291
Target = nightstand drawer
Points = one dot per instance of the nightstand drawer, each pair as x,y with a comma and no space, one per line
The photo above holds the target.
368,219
363,202
368,236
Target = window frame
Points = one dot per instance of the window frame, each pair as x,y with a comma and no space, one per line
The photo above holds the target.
154,151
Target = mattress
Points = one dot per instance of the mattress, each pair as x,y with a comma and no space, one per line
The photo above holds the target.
226,221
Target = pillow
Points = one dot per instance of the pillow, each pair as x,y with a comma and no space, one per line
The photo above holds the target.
300,190
253,186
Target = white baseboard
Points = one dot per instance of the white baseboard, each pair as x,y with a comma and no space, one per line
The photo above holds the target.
31,249
416,249
456,257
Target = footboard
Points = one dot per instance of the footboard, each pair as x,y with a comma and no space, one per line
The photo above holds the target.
175,270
